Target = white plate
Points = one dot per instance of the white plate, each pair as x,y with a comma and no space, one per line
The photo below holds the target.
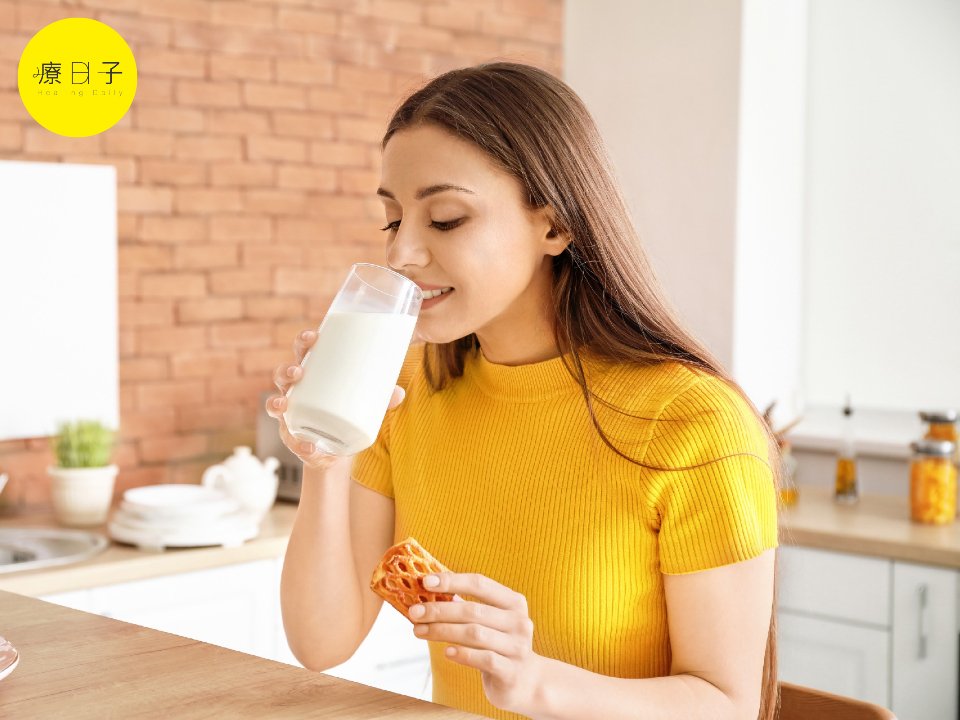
9,658
178,500
226,522
228,535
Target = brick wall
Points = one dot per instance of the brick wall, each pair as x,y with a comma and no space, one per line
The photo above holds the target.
246,169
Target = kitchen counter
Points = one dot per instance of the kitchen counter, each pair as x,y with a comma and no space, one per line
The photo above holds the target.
877,525
124,563
78,665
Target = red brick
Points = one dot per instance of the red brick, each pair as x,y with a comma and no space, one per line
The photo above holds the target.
234,228
11,137
338,206
271,96
150,257
307,21
34,16
134,198
209,147
240,41
138,31
265,362
204,363
358,182
307,177
194,257
173,63
335,100
154,91
401,11
171,393
455,16
174,229
312,72
536,9
241,174
300,281
275,202
198,93
245,334
210,417
298,231
155,341
141,476
148,368
173,285
267,254
141,143
261,147
362,129
237,67
178,10
203,311
204,201
240,282
222,442
40,141
172,172
361,79
311,125
8,16
147,423
173,447
245,389
238,122
270,308
338,154
243,13
175,119
126,167
140,313
526,52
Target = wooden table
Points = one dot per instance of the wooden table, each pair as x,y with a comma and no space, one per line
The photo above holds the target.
78,665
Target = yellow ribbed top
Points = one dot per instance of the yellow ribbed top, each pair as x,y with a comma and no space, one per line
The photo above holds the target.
503,473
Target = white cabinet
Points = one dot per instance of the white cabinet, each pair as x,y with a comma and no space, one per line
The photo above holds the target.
238,607
879,630
924,642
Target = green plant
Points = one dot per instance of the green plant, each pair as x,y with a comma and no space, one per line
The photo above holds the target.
83,443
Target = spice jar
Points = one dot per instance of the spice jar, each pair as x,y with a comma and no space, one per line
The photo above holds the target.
933,482
789,492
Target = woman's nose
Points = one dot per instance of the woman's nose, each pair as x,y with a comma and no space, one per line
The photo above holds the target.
407,248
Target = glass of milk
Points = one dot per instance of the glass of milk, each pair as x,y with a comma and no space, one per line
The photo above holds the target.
350,372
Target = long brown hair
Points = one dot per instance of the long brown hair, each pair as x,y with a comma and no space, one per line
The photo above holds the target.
605,295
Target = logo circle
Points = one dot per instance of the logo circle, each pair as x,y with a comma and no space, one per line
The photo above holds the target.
77,77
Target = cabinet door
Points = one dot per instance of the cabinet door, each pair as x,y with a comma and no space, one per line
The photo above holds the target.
924,642
231,606
838,657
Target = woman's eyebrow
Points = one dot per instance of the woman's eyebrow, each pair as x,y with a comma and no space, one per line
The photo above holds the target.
427,191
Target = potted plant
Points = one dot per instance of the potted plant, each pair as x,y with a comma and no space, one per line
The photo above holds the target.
82,482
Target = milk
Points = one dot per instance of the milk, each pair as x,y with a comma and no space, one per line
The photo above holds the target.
348,378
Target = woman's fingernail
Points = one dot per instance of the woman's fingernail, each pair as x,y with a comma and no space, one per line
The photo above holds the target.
305,335
431,581
306,447
417,611
291,371
277,402
420,629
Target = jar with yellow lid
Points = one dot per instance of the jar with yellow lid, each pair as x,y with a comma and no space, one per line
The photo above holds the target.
933,482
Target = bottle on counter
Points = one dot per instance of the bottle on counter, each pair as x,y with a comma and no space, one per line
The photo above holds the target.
933,482
847,485
789,492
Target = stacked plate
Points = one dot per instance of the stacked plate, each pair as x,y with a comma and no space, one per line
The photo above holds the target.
155,517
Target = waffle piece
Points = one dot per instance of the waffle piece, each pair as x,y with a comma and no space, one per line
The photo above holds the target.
398,578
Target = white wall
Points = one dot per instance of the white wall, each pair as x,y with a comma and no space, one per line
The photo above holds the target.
58,296
661,79
883,217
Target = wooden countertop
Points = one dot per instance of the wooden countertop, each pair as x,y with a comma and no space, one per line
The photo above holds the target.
878,526
78,665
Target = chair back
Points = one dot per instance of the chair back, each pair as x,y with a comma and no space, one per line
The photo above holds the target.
803,703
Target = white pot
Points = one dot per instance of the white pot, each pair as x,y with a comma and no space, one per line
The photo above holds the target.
82,496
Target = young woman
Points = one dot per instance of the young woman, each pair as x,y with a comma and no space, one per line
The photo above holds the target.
603,491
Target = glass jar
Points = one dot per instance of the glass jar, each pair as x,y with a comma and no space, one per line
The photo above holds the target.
933,482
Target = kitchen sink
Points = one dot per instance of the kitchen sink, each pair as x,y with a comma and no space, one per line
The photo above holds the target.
30,548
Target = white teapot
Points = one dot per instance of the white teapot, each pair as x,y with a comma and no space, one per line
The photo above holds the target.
244,477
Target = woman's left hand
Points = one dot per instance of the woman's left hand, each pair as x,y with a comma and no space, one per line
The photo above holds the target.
493,635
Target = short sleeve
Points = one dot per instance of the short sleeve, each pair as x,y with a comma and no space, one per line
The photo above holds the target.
371,467
724,510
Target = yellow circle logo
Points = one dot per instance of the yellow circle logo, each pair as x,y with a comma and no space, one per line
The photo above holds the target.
77,77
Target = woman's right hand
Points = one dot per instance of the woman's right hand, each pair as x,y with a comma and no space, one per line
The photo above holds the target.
284,377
